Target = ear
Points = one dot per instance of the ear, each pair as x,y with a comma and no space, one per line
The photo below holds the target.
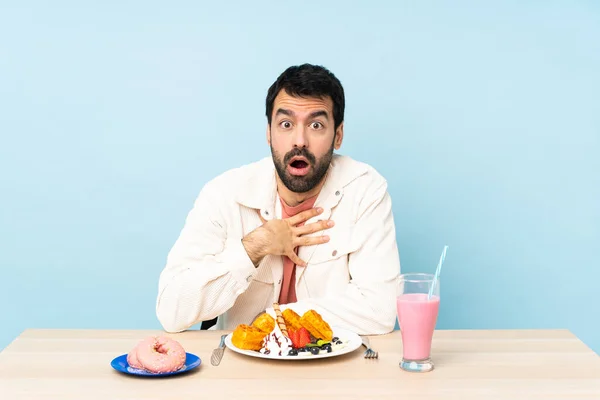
339,136
268,134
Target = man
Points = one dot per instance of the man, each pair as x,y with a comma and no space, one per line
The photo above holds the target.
306,228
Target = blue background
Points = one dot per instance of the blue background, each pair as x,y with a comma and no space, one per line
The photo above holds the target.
484,117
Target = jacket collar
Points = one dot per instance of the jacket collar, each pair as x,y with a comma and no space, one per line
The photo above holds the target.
259,189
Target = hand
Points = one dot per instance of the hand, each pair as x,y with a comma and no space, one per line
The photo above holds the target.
283,236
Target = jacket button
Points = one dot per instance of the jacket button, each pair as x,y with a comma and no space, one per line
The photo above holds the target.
334,253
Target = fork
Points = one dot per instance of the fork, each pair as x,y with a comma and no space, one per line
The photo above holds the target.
370,353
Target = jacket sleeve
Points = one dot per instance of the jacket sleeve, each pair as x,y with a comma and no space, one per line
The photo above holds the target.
368,305
205,272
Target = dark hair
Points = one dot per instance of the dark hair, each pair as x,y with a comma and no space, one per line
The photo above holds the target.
308,80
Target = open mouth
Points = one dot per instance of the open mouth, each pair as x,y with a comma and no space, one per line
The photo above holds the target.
299,166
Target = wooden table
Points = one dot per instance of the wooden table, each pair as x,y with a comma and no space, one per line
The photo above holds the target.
75,364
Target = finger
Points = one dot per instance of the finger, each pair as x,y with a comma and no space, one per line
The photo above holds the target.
310,240
304,216
314,227
296,260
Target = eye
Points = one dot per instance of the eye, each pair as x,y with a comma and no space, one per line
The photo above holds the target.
285,124
316,125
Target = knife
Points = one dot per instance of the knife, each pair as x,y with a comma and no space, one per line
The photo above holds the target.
217,353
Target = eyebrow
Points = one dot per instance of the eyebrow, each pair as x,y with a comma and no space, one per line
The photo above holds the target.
315,114
320,113
284,112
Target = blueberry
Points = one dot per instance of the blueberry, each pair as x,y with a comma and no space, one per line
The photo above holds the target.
329,350
326,346
338,342
293,352
314,350
335,339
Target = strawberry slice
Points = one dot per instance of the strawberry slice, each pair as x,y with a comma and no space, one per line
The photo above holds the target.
303,337
294,337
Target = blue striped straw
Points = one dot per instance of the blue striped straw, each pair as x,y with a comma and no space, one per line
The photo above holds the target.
437,272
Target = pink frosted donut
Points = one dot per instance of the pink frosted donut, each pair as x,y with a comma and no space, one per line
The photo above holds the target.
132,359
160,355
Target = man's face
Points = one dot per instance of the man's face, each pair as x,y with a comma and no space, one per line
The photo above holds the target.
302,138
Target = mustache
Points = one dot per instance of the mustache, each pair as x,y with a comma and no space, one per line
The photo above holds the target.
297,152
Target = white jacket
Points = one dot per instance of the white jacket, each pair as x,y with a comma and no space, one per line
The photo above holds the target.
350,280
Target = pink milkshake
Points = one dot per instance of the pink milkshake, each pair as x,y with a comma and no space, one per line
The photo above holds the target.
418,303
417,317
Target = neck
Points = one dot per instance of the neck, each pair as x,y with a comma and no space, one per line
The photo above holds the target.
292,199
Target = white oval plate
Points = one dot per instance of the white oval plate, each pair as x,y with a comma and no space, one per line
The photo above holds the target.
353,342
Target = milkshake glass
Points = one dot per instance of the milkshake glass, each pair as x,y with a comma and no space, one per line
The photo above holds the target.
417,317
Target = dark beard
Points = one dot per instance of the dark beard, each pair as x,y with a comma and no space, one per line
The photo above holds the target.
302,184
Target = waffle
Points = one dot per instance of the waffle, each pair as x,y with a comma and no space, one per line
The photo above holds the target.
264,322
247,337
292,320
316,326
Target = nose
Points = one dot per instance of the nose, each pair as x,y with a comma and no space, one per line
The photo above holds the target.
300,139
